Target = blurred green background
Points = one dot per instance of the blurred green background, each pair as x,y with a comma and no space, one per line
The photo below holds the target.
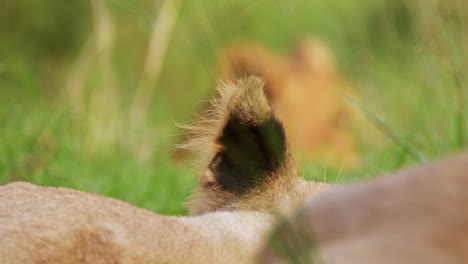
85,103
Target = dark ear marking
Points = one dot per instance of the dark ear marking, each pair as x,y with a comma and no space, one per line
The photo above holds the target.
246,145
251,152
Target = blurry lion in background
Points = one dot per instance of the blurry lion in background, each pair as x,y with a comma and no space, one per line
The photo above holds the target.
306,91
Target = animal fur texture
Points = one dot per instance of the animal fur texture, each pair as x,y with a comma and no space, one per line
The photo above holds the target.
248,177
415,216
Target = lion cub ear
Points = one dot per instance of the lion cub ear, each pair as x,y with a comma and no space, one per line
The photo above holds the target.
251,150
252,142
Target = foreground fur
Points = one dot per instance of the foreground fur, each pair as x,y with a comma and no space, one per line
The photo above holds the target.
248,176
58,225
414,216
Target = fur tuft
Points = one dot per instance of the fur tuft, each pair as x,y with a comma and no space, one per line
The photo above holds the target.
201,134
244,100
245,145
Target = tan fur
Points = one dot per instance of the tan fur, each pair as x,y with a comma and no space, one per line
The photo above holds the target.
278,197
415,216
59,225
306,91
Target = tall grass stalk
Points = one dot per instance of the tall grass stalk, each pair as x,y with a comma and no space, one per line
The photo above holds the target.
387,130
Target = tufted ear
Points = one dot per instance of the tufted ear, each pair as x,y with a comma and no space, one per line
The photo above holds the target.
250,150
237,61
252,142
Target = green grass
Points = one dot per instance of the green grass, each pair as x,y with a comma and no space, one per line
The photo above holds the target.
407,72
